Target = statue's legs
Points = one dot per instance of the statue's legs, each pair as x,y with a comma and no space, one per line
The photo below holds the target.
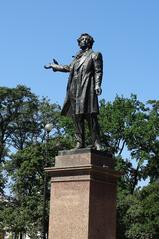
94,130
80,130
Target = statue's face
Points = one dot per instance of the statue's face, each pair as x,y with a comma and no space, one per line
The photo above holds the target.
84,42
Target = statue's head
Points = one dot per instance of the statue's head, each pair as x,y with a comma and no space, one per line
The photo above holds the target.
85,41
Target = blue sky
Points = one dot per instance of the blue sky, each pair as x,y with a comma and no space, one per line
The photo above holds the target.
126,32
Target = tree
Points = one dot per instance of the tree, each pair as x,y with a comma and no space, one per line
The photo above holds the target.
23,117
17,107
27,172
152,167
127,125
142,215
132,125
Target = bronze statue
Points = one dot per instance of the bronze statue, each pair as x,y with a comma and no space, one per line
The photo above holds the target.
84,86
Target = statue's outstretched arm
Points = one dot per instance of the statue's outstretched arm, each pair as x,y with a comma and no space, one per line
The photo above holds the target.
56,67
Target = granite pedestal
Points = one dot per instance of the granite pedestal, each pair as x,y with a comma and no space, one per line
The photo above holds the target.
83,196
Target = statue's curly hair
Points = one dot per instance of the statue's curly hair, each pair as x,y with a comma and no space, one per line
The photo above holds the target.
91,40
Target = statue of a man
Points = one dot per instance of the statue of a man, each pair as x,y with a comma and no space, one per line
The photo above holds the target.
84,86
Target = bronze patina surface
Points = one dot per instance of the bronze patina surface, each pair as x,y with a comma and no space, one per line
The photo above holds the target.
83,89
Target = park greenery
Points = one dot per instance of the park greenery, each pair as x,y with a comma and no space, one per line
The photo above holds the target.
129,129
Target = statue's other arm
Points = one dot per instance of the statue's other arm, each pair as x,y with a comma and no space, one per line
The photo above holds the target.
98,71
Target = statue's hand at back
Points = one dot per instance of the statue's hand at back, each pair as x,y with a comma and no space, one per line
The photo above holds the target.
98,90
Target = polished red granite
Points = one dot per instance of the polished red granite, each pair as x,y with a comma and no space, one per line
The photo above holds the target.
83,196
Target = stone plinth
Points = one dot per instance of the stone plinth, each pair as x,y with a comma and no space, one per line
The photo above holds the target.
83,196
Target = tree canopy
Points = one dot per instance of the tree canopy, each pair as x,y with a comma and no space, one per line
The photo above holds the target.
129,129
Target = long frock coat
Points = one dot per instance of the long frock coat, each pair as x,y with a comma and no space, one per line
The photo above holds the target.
85,75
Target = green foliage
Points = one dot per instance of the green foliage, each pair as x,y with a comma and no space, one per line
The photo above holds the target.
22,120
126,125
26,169
138,214
121,121
129,124
142,216
17,121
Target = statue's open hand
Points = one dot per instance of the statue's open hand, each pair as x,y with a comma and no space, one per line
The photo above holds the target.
51,66
98,90
47,66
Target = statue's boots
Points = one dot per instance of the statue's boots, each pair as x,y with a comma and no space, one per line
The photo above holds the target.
79,145
97,145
